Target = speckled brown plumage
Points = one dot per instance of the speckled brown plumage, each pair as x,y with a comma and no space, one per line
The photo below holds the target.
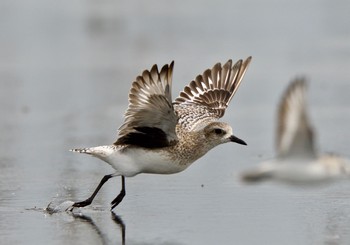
163,137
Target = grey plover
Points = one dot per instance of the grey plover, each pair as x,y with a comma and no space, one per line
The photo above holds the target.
159,136
297,161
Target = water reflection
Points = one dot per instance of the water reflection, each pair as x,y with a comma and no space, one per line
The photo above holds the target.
333,228
98,230
64,72
87,219
118,220
337,226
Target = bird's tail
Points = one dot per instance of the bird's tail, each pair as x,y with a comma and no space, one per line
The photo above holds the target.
88,151
256,175
99,151
83,150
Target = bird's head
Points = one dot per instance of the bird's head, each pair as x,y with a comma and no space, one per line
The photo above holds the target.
219,132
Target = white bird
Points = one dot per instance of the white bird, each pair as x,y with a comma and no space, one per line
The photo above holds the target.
297,161
163,137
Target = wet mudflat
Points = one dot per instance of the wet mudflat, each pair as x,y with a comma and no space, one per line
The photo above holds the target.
65,70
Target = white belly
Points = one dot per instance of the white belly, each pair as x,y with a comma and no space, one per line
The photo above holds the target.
131,162
312,173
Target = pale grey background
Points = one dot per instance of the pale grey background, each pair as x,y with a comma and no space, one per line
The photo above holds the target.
65,71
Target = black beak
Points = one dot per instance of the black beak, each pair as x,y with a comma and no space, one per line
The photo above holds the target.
237,140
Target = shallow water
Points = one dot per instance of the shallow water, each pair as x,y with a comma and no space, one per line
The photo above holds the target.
65,70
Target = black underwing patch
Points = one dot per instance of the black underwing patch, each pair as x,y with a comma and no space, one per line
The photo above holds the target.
147,137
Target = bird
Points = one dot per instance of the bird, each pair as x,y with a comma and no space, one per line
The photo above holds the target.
161,136
297,162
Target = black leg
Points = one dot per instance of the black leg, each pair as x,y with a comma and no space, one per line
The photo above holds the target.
89,200
121,195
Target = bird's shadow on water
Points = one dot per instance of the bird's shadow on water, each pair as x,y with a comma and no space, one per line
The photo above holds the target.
90,216
118,220
104,239
97,228
87,219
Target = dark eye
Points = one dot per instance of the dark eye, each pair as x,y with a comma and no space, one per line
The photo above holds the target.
219,131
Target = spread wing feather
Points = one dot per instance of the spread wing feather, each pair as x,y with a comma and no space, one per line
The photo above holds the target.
150,110
294,136
208,95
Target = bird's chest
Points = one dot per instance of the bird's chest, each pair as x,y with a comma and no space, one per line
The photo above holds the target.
156,162
189,149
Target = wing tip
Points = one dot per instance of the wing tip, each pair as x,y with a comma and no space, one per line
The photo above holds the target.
152,84
298,83
224,78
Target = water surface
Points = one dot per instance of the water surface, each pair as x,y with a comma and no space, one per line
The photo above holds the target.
65,71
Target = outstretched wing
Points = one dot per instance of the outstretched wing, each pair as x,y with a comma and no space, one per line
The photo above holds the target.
294,132
150,119
207,97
